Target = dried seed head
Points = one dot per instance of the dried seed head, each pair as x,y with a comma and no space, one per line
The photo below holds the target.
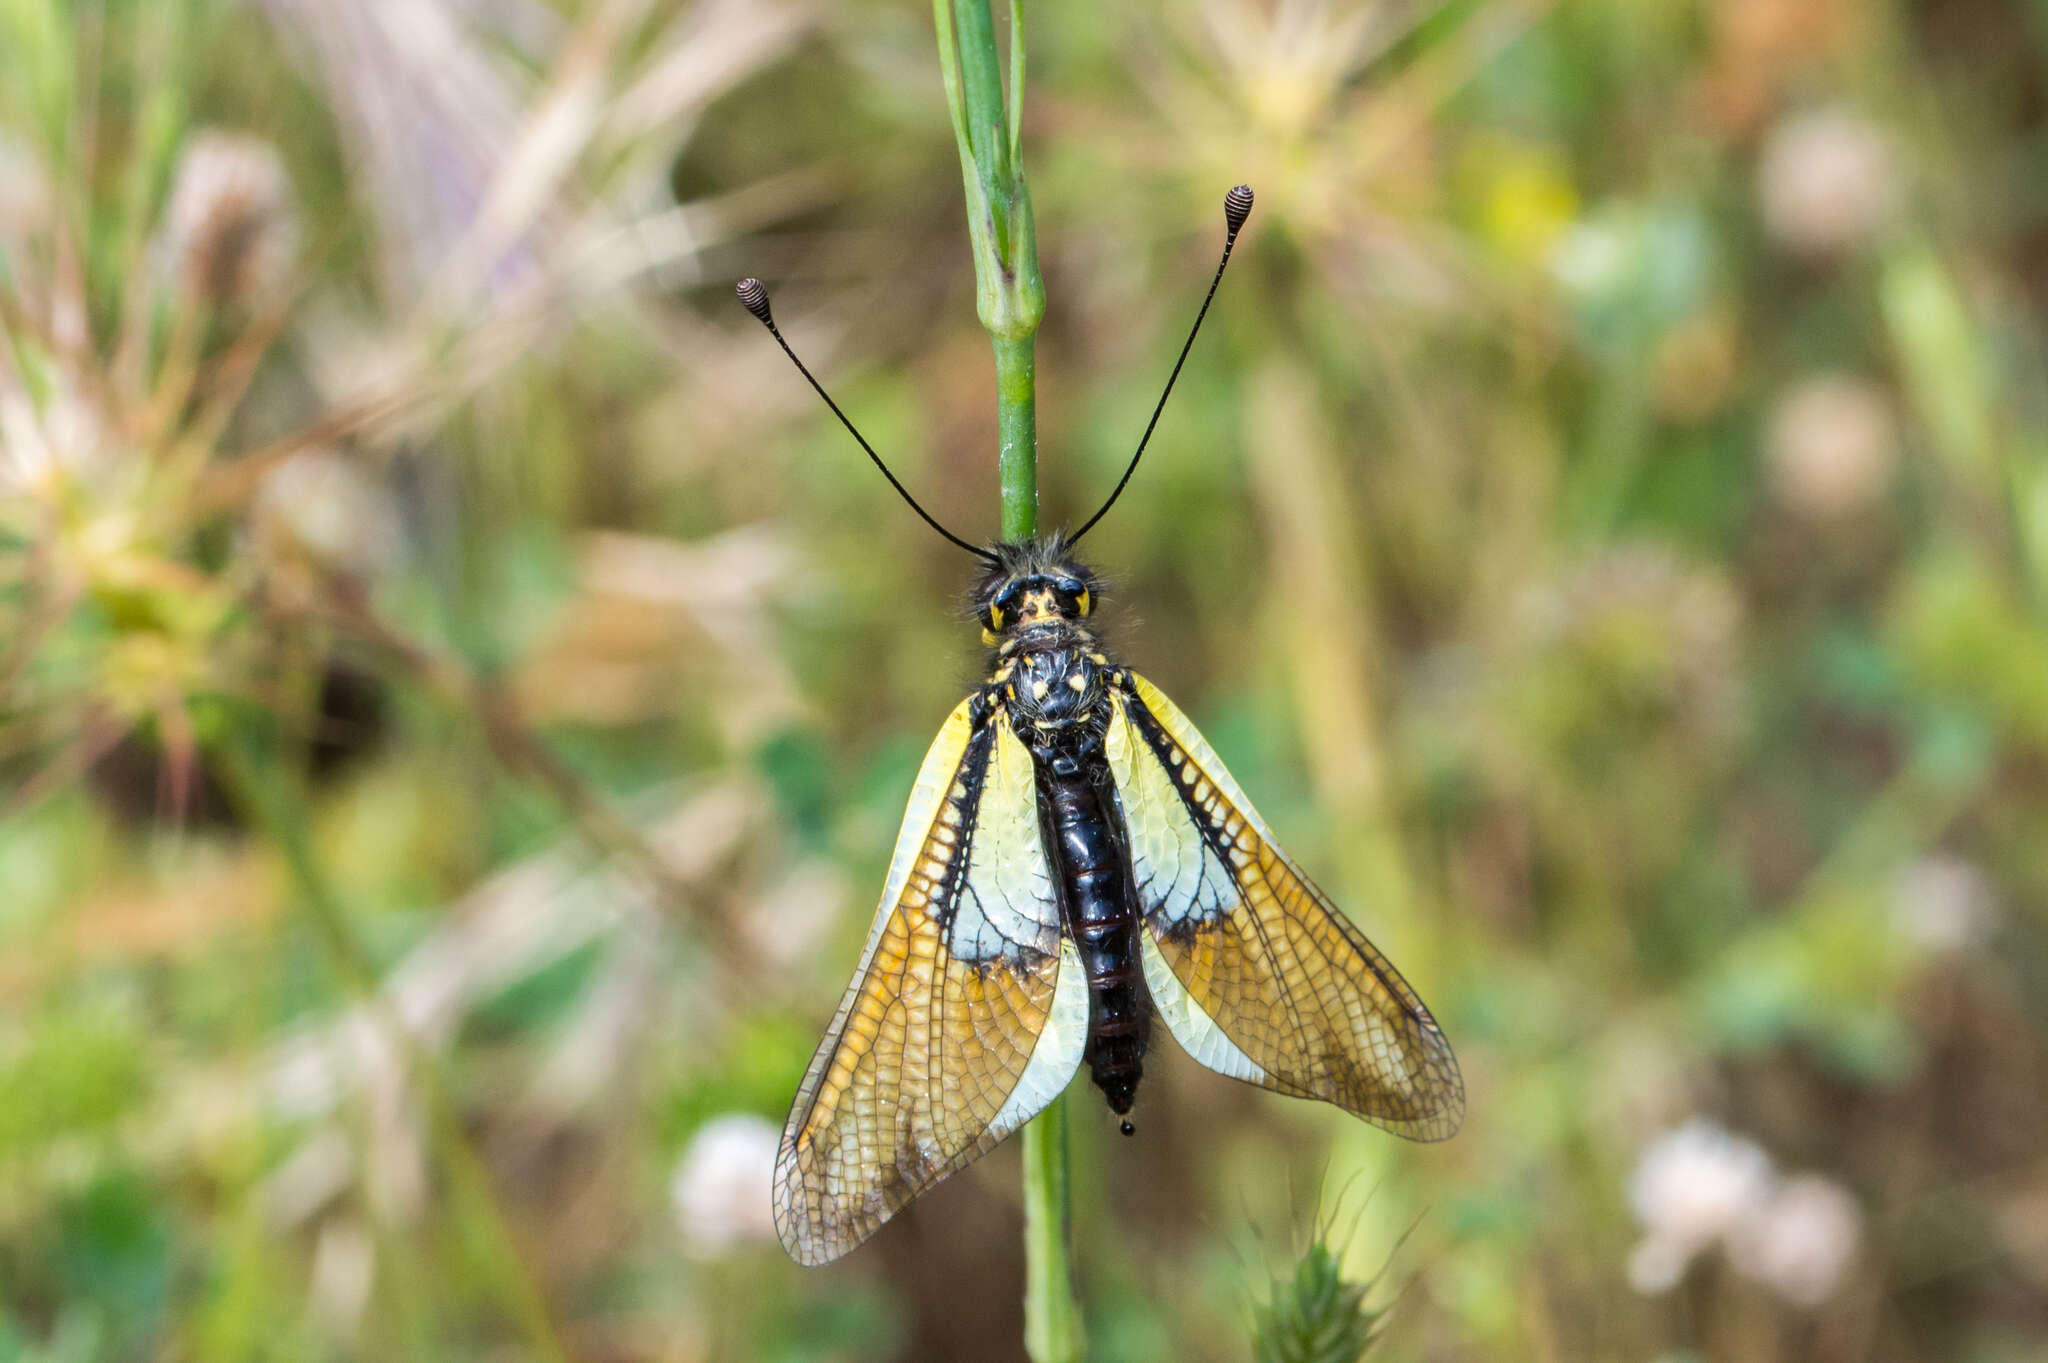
230,229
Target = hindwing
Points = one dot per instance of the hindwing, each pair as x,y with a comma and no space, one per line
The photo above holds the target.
1255,972
967,1014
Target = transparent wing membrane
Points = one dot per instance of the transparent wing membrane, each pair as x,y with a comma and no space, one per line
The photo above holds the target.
1254,971
966,1016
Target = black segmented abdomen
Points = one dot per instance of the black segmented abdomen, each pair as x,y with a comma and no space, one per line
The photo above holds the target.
1082,837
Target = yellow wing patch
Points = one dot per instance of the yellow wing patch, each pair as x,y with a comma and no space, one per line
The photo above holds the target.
1256,973
935,1057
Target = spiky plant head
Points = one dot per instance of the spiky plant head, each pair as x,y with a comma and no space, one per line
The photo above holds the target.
1316,1315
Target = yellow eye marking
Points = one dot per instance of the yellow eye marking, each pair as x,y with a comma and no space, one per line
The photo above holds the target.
1078,682
1082,601
995,617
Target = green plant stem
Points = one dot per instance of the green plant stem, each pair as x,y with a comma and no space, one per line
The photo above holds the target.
1052,1314
1017,436
271,799
1009,293
1010,298
987,121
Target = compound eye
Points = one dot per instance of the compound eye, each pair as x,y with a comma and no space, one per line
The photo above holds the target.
1004,606
1075,591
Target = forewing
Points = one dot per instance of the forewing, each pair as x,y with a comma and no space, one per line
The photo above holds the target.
966,1016
1255,972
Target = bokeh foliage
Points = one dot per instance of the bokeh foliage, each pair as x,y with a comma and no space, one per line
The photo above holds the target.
457,689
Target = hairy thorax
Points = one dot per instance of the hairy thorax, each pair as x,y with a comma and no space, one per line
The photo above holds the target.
1048,671
1053,679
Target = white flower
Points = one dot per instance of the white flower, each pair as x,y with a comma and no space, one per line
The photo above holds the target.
1944,904
1826,182
1832,445
721,1186
1700,1185
1691,1187
1801,1241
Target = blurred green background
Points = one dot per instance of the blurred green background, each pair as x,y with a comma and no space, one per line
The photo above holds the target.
457,687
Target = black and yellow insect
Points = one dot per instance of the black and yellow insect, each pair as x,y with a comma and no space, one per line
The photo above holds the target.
1076,862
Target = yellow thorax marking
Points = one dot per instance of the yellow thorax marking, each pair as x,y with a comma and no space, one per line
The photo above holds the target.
1039,604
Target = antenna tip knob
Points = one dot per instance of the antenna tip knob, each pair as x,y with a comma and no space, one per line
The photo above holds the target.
753,297
1237,206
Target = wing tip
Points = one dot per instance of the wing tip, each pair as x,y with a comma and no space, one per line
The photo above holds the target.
800,1238
1448,1119
1442,1124
806,1255
1434,1114
794,1223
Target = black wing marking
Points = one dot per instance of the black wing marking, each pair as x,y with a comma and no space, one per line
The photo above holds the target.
1256,973
957,1028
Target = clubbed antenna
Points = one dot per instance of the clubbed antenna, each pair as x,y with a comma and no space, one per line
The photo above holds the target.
755,299
1237,206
